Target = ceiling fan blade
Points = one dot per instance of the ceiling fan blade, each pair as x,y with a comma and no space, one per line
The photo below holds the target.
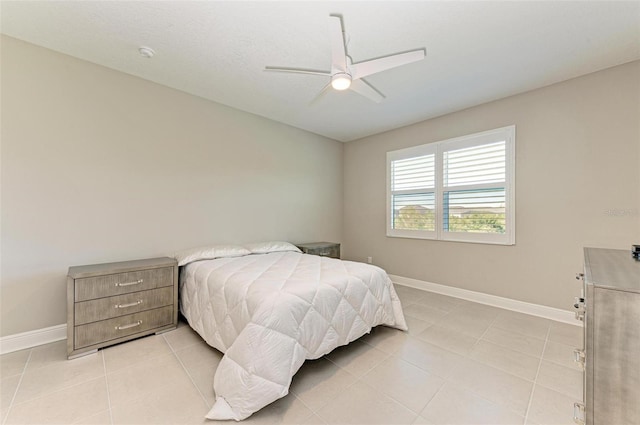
296,71
338,53
321,94
366,90
374,66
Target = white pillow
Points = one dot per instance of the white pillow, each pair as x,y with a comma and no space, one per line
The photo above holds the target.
209,253
271,246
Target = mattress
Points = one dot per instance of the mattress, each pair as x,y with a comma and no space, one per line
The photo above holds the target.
268,313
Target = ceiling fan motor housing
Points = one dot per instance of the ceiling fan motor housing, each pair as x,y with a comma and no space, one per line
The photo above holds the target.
340,81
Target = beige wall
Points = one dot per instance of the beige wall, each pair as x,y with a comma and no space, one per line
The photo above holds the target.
100,166
577,169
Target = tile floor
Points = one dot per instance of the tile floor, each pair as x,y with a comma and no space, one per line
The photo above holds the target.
460,363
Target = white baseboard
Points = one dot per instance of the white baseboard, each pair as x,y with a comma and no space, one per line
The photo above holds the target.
22,341
552,313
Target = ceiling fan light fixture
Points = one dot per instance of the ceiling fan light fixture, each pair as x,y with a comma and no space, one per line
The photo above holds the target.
341,81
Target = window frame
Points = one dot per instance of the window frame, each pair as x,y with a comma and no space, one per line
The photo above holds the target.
506,134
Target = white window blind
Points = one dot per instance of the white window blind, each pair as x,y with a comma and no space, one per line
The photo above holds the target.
475,165
458,189
414,173
413,186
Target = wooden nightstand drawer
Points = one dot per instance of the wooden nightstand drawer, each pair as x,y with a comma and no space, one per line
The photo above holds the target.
122,283
115,302
323,249
120,305
108,330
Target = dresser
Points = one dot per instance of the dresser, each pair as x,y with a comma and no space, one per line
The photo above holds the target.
610,308
115,302
324,249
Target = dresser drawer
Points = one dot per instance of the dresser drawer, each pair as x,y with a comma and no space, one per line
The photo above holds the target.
106,330
323,249
122,283
332,252
120,305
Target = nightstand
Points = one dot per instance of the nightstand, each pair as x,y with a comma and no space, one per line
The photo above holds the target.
324,249
115,302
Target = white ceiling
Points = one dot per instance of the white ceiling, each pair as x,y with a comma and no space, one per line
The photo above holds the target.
476,51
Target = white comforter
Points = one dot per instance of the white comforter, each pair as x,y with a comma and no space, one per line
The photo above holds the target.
270,312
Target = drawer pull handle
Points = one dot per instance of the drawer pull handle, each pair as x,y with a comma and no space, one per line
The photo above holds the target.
578,413
132,325
580,308
579,357
135,282
128,305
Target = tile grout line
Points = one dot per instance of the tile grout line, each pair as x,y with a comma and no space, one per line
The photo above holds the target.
484,333
480,338
535,379
184,368
313,412
400,402
446,381
510,349
468,356
24,370
336,395
106,381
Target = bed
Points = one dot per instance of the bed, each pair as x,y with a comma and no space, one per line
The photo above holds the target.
268,308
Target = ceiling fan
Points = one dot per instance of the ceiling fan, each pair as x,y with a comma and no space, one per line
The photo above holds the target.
347,75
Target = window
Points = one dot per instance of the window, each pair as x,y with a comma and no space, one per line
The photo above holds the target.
456,190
